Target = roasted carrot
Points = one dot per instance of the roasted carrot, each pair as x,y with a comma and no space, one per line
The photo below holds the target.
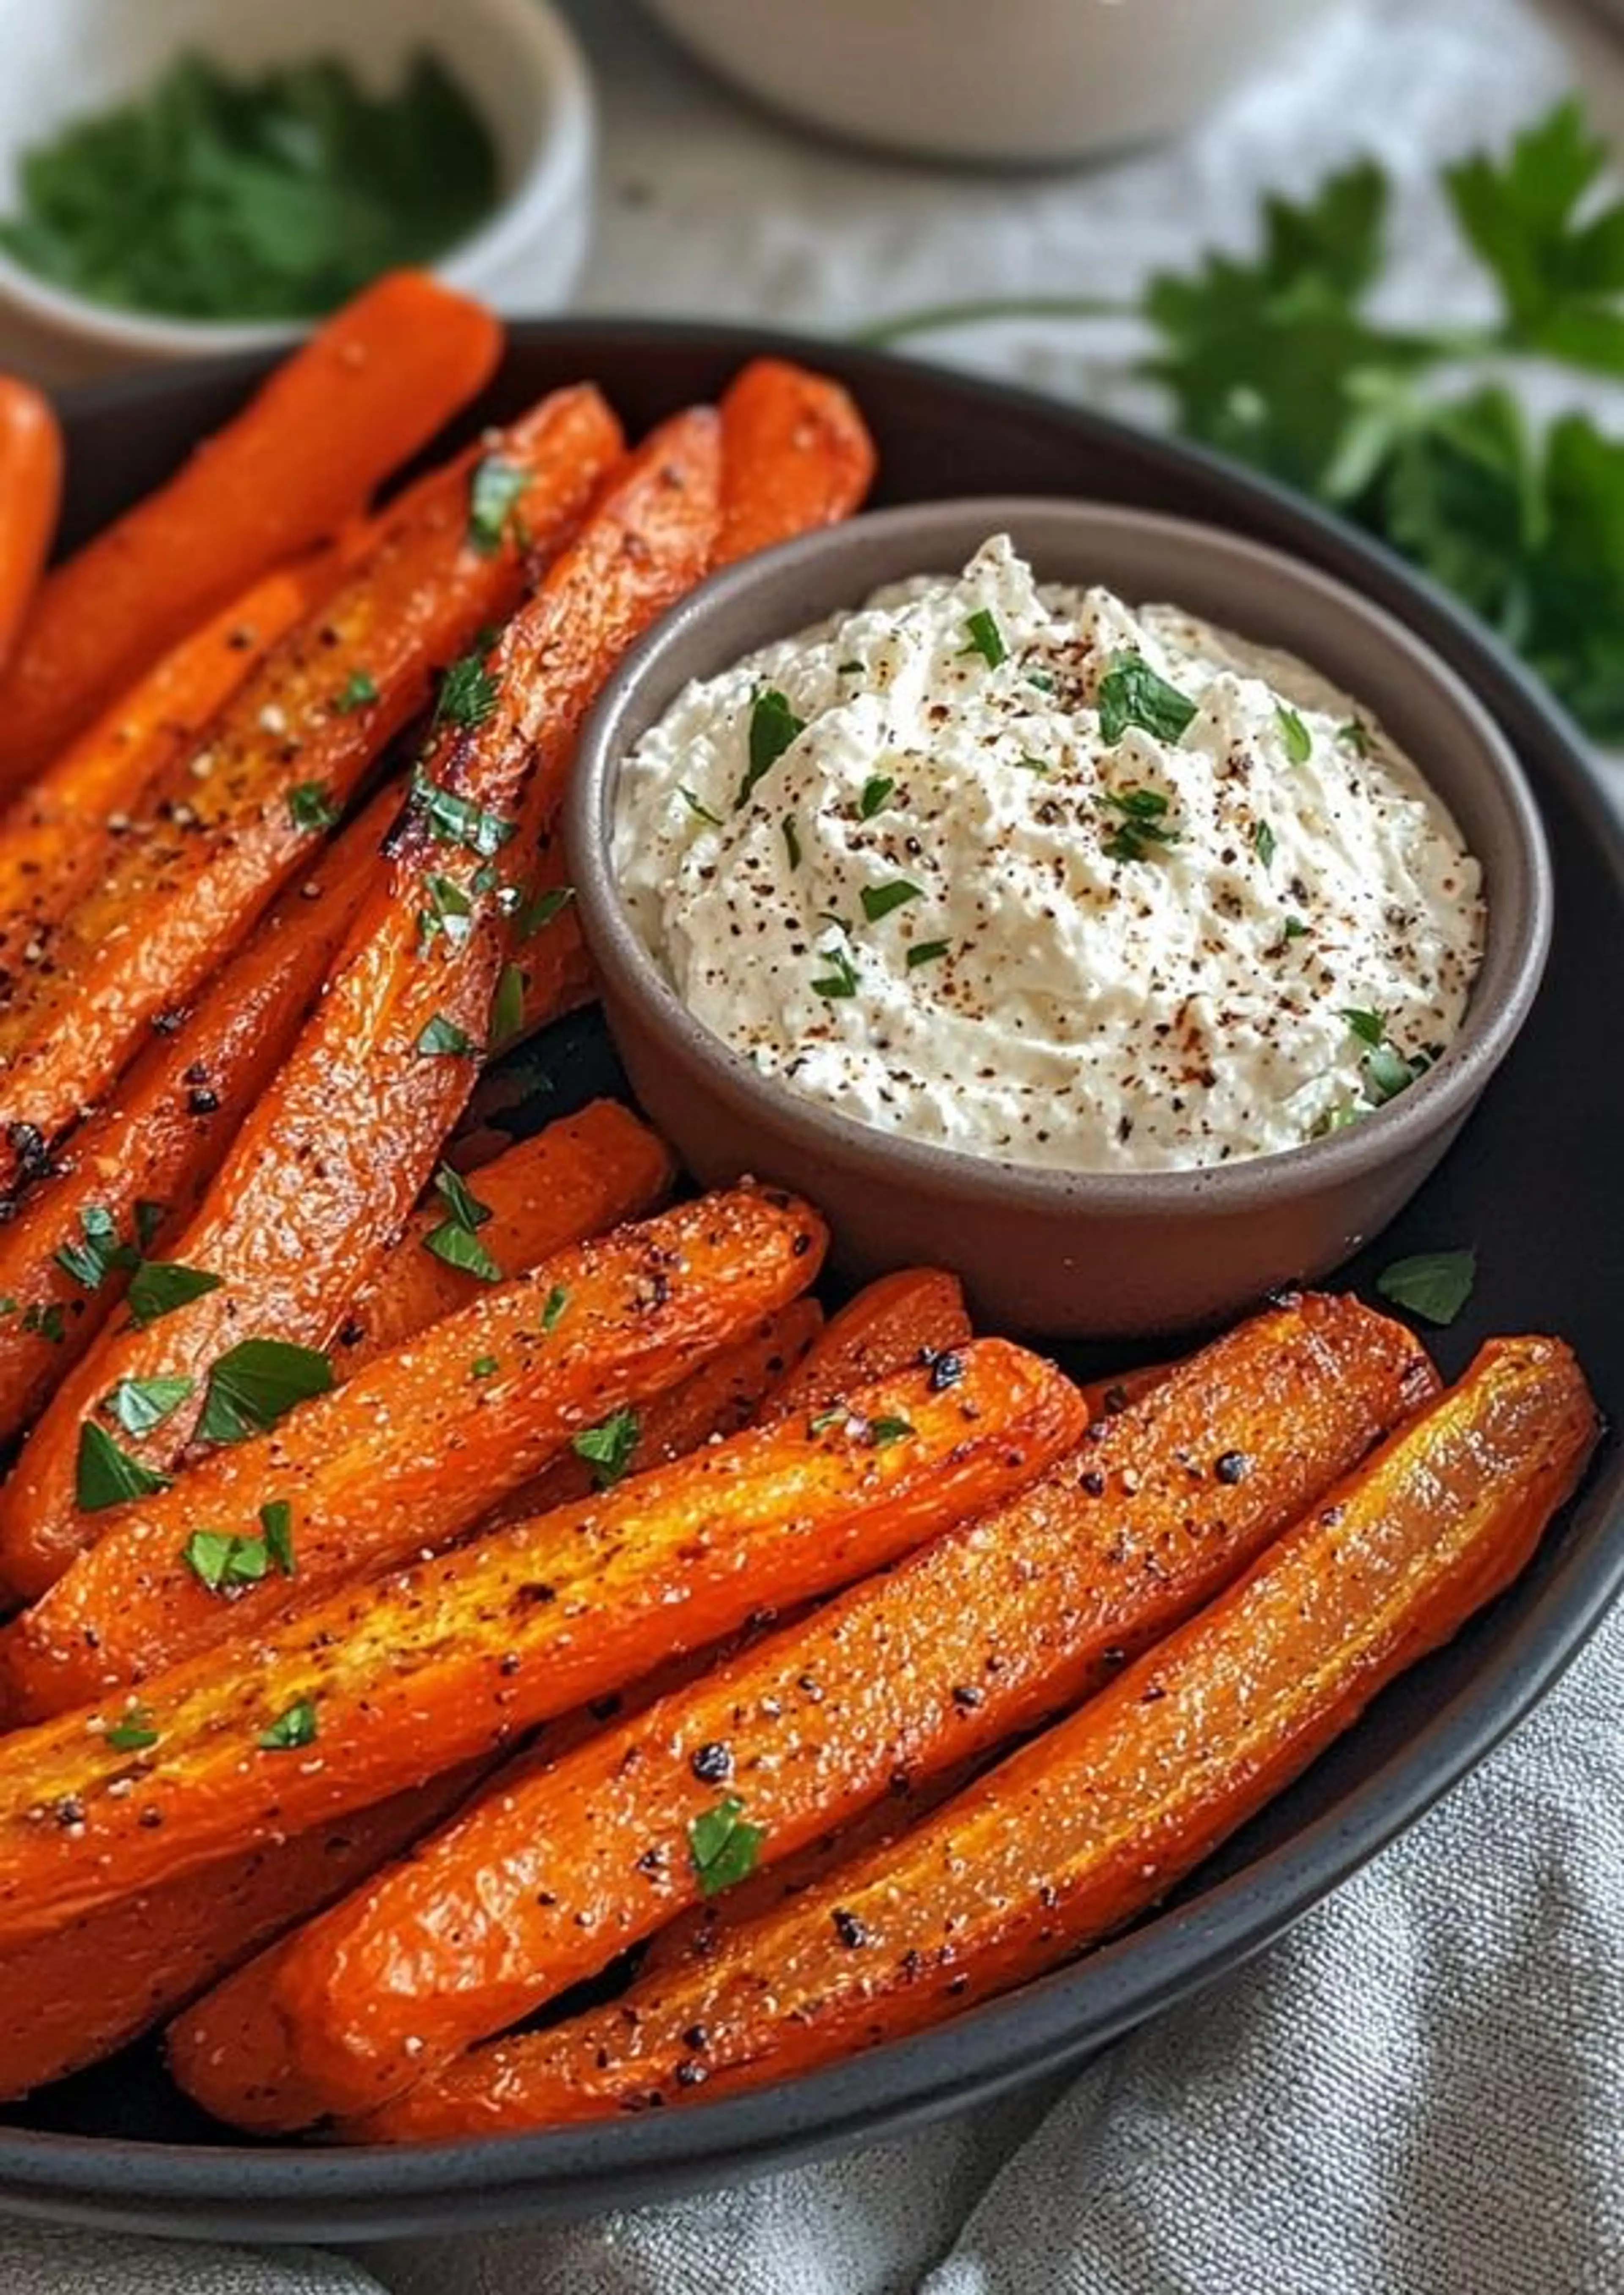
723,1395
285,754
418,1445
972,1640
795,453
903,1318
398,1679
59,831
1071,1838
371,386
583,1174
158,1142
68,1999
30,496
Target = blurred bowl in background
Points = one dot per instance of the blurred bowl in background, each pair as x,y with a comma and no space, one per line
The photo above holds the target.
1025,82
516,60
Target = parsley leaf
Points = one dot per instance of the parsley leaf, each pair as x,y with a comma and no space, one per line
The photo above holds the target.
1140,823
291,1730
792,841
985,638
132,1732
359,687
255,1382
875,789
700,812
1132,693
140,1404
1263,842
608,1448
159,1286
223,1563
840,980
439,1034
539,910
458,821
495,492
447,908
722,1848
879,900
459,1199
1370,1028
104,1475
773,726
89,1263
926,951
1299,741
1434,1285
276,1524
468,694
309,806
461,1247
508,1006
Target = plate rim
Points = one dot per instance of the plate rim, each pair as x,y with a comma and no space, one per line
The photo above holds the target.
198,2190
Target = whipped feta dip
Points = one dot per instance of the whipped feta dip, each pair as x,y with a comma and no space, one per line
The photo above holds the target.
1028,872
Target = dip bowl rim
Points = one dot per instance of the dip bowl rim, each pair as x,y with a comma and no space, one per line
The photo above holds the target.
680,645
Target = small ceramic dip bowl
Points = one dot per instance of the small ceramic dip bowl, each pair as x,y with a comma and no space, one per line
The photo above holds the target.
1080,1254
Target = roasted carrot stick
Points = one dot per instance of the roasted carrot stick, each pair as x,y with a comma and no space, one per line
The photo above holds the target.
68,1999
398,1679
159,1140
286,752
30,494
795,453
58,832
583,1174
977,1638
723,1395
417,1446
905,1318
371,386
1069,1838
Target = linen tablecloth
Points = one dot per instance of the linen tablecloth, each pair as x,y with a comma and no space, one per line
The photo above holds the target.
1420,2090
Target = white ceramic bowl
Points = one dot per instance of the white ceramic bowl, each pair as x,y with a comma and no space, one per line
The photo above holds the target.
518,63
1024,81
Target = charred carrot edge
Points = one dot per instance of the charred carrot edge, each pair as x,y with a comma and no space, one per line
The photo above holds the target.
586,1172
30,496
371,386
59,832
717,1399
1070,1839
158,1141
417,1446
68,1999
901,1319
313,719
329,1162
979,1637
400,1677
796,454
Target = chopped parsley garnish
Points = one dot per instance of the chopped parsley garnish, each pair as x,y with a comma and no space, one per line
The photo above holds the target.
440,1034
1044,680
104,1475
1352,736
1131,693
507,1006
291,1730
90,1262
309,806
848,669
836,1416
457,1240
223,1563
792,841
541,909
446,909
496,488
276,1525
841,979
132,1732
255,1382
1140,823
149,1218
458,821
1385,1070
883,1432
608,1448
468,694
722,1848
879,900
1370,1028
46,1321
926,951
1263,842
557,1301
700,812
1299,741
773,726
484,1367
159,1286
138,1405
1434,1285
1033,764
358,689
985,638
1294,928
875,792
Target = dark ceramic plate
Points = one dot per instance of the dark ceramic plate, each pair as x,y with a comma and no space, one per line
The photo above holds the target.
1533,1183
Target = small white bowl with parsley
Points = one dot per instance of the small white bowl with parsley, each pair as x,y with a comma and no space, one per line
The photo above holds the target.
182,177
